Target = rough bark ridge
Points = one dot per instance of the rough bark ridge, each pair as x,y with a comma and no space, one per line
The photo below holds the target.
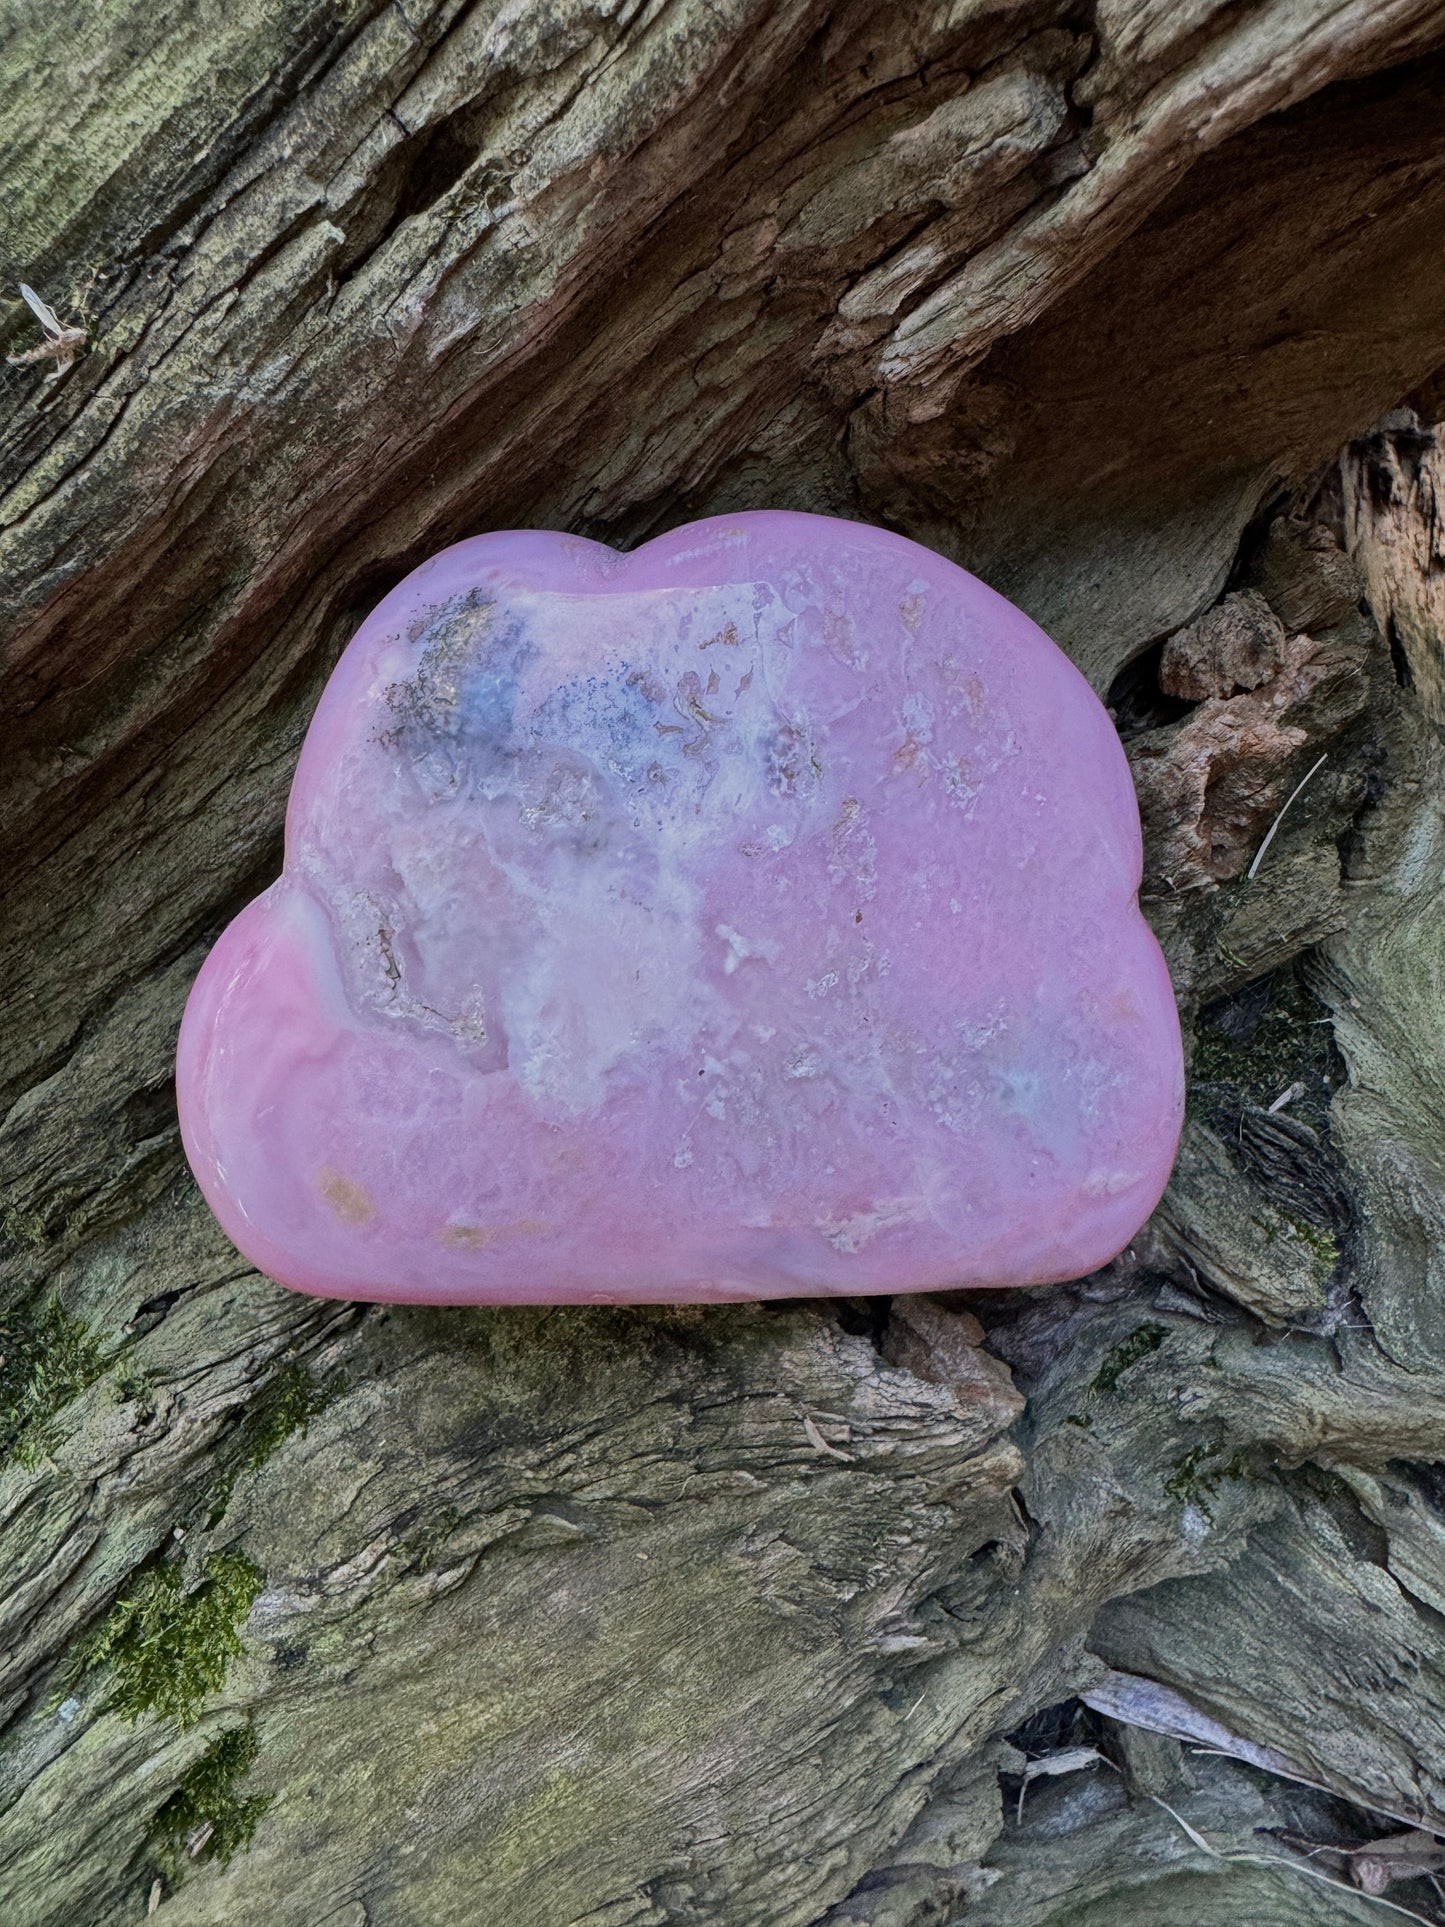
854,1613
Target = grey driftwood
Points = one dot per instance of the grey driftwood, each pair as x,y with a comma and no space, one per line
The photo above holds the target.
1117,1603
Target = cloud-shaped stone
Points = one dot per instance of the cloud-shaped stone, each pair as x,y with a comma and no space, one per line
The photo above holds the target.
753,914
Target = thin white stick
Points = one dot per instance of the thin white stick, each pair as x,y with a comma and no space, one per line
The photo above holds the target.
1287,1097
1237,1859
1269,834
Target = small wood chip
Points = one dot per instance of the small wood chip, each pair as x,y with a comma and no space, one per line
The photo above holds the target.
820,1444
1069,1759
1303,1867
1286,1098
1375,1866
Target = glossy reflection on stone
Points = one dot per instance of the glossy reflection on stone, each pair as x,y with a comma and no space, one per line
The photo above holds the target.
753,914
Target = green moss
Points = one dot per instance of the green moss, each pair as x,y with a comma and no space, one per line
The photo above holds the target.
292,1398
425,1545
47,1358
166,1648
22,1227
1323,1246
206,1818
1139,1343
1194,1480
132,1387
1291,1042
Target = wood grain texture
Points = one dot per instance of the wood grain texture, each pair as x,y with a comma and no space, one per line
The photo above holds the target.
630,1618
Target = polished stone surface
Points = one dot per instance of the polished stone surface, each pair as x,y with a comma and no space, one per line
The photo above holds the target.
753,914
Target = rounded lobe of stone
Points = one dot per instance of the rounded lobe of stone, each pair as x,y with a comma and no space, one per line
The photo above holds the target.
751,915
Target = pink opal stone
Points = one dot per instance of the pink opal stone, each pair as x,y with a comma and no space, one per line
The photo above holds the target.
750,915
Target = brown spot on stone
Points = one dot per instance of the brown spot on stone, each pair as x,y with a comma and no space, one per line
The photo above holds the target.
467,1237
476,1237
346,1198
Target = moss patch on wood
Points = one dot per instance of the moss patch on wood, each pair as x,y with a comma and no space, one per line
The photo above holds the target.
1198,1475
47,1358
167,1647
207,1817
1254,1046
1322,1243
22,1229
1140,1342
291,1399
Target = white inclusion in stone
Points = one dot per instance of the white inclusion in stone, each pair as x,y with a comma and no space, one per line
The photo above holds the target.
716,1088
1108,1184
614,910
741,948
918,718
570,1006
1021,1090
852,1233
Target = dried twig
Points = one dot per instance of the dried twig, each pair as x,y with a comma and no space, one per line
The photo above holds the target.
1179,889
1250,873
1242,1857
1070,1759
1376,1865
1159,1709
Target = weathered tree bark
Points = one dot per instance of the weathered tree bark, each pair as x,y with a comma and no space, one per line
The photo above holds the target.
398,1618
